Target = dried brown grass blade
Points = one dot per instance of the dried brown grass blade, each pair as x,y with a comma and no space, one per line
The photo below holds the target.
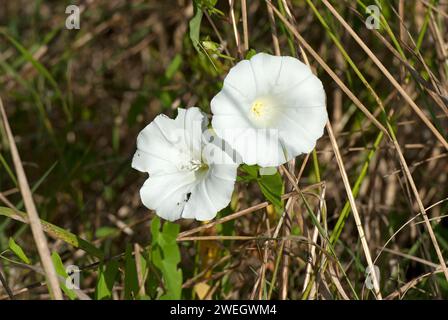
240,213
330,72
36,227
388,75
356,215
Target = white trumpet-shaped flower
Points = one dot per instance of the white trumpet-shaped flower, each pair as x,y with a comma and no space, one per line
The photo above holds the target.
189,176
270,109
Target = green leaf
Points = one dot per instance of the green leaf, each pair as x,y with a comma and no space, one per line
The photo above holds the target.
104,232
195,26
130,275
41,69
165,256
195,23
251,173
155,227
272,188
60,270
250,53
8,170
56,232
107,274
173,67
18,251
270,185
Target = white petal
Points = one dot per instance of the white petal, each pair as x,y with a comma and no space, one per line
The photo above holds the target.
267,69
168,193
212,194
229,101
174,190
215,188
230,127
303,116
295,138
308,94
218,152
289,99
165,143
241,78
292,73
255,145
270,149
155,152
191,123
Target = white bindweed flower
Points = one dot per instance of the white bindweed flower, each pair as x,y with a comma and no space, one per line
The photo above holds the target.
190,176
270,109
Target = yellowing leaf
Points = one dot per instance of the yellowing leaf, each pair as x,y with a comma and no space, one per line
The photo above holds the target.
201,290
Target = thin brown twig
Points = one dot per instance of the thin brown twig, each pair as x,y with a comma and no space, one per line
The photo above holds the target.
4,282
33,216
426,3
330,72
275,42
411,257
422,209
240,213
235,28
356,215
388,75
396,145
221,238
405,288
245,27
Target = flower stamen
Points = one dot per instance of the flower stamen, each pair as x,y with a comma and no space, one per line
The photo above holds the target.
193,165
263,111
258,108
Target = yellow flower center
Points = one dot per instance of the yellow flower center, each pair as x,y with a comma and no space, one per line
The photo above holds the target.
258,108
263,112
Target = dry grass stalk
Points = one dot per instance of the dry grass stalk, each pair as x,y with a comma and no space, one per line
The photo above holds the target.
36,227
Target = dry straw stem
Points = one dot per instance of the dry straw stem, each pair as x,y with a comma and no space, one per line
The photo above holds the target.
337,153
286,232
341,164
388,75
240,213
422,209
330,72
408,173
351,199
405,288
5,285
275,42
321,230
286,217
245,28
392,138
233,216
310,262
36,227
426,3
407,223
235,28
219,238
140,276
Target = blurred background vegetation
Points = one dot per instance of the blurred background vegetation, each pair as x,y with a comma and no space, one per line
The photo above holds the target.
76,100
